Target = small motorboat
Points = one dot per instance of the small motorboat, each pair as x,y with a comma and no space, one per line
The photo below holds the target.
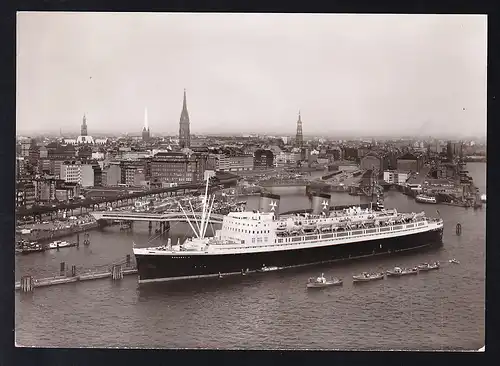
321,281
454,261
397,271
60,244
365,277
428,267
268,269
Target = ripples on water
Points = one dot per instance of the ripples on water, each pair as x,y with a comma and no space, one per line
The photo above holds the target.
441,309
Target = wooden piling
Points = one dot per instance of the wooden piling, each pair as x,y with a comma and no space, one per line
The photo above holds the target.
127,260
26,284
78,239
73,271
116,272
62,269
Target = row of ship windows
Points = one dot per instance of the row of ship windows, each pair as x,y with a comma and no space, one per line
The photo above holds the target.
246,224
249,231
314,238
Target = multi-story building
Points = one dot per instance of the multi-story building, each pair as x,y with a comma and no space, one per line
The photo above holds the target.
395,177
111,175
178,167
132,172
263,159
25,148
87,175
25,194
286,158
97,174
71,171
45,189
372,161
66,191
19,167
409,162
235,162
56,151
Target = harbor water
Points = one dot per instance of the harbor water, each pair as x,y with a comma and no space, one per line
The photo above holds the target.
441,309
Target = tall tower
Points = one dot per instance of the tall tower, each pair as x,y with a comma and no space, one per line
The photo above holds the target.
299,139
83,130
184,134
145,131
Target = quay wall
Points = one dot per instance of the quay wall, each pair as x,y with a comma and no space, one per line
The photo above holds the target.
41,235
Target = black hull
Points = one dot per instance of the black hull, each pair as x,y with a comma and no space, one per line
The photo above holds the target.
164,267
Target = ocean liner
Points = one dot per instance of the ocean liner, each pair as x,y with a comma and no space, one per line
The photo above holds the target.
251,241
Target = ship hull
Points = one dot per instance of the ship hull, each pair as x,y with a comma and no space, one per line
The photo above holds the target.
155,268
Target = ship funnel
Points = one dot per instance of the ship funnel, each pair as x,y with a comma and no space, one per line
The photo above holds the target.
269,203
320,203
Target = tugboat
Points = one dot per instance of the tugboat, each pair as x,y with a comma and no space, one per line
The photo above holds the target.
454,261
428,267
397,271
365,277
321,282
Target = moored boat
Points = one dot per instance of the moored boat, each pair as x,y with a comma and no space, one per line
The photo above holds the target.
483,198
398,271
428,267
454,261
423,198
321,282
247,239
60,244
365,277
268,269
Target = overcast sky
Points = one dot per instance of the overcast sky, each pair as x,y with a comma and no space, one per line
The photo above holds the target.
252,73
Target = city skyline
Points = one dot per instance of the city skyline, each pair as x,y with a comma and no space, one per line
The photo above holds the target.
252,73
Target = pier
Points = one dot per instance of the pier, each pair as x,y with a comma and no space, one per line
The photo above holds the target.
114,271
164,217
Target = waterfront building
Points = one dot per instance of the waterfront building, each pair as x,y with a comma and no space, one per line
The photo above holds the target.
184,125
395,177
409,162
372,161
263,159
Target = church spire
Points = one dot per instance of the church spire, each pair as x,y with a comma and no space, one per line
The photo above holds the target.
83,130
146,127
299,139
184,130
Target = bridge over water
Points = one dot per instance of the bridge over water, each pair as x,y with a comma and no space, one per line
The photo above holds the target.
163,217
